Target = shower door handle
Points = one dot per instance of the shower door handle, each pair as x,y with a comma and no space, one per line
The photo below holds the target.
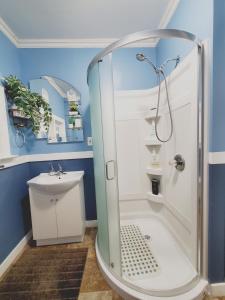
110,169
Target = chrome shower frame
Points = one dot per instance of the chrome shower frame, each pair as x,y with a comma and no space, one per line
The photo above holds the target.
202,219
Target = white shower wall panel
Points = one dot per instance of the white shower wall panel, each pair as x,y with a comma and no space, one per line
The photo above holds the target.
131,131
179,189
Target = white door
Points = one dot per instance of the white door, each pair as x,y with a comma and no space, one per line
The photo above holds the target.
69,213
43,215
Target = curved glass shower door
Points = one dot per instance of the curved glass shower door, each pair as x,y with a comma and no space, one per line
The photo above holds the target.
102,112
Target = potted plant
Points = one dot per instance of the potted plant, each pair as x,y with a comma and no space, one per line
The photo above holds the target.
27,104
71,122
73,109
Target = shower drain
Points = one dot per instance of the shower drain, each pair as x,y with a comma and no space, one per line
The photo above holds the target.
138,261
147,237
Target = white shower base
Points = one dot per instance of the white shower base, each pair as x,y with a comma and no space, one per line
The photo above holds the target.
176,280
175,268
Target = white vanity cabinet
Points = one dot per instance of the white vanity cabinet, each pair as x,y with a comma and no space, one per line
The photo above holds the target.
57,217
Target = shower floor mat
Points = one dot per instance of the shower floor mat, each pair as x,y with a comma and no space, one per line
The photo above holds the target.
138,260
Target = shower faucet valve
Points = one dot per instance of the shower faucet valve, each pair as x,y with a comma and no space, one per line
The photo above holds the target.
178,162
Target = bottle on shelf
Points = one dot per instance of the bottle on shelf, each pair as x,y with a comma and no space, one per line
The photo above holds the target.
155,186
155,161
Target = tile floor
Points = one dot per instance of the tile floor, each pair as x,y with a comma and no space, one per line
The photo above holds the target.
93,286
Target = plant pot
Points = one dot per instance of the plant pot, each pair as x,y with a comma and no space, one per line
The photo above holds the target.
17,113
73,113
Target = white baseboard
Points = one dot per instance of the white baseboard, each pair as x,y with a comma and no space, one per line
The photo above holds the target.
217,289
91,223
57,241
18,250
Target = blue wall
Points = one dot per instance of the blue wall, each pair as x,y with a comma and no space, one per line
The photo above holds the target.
218,108
129,73
9,58
216,223
14,207
193,16
217,172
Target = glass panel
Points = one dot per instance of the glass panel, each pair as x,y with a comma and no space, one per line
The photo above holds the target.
108,121
99,163
103,131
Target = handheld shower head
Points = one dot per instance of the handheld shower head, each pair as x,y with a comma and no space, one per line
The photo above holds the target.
140,56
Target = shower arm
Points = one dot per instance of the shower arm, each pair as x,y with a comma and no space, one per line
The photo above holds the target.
176,59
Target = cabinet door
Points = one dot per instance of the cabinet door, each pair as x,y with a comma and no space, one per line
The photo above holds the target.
43,215
69,213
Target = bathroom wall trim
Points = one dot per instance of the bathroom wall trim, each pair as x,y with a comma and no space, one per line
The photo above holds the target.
216,158
84,43
18,160
91,223
15,253
8,32
76,43
217,289
171,8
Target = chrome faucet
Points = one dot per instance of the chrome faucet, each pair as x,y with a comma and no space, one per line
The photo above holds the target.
60,170
51,170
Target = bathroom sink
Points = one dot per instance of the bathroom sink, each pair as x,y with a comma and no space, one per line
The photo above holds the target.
56,184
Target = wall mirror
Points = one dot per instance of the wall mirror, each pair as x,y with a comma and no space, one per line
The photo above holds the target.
64,100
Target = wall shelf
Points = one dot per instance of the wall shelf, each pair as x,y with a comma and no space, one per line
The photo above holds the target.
154,171
151,114
155,198
152,142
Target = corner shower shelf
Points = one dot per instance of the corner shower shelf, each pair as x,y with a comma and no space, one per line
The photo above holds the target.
152,142
151,114
155,198
154,171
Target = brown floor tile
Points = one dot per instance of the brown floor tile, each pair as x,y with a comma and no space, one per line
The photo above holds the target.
104,295
115,296
93,286
91,253
92,278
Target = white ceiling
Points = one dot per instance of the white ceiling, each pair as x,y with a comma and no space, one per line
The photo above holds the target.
83,19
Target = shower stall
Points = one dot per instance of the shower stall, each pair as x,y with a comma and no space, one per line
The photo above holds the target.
148,162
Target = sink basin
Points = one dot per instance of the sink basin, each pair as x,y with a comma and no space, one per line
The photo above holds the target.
56,184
